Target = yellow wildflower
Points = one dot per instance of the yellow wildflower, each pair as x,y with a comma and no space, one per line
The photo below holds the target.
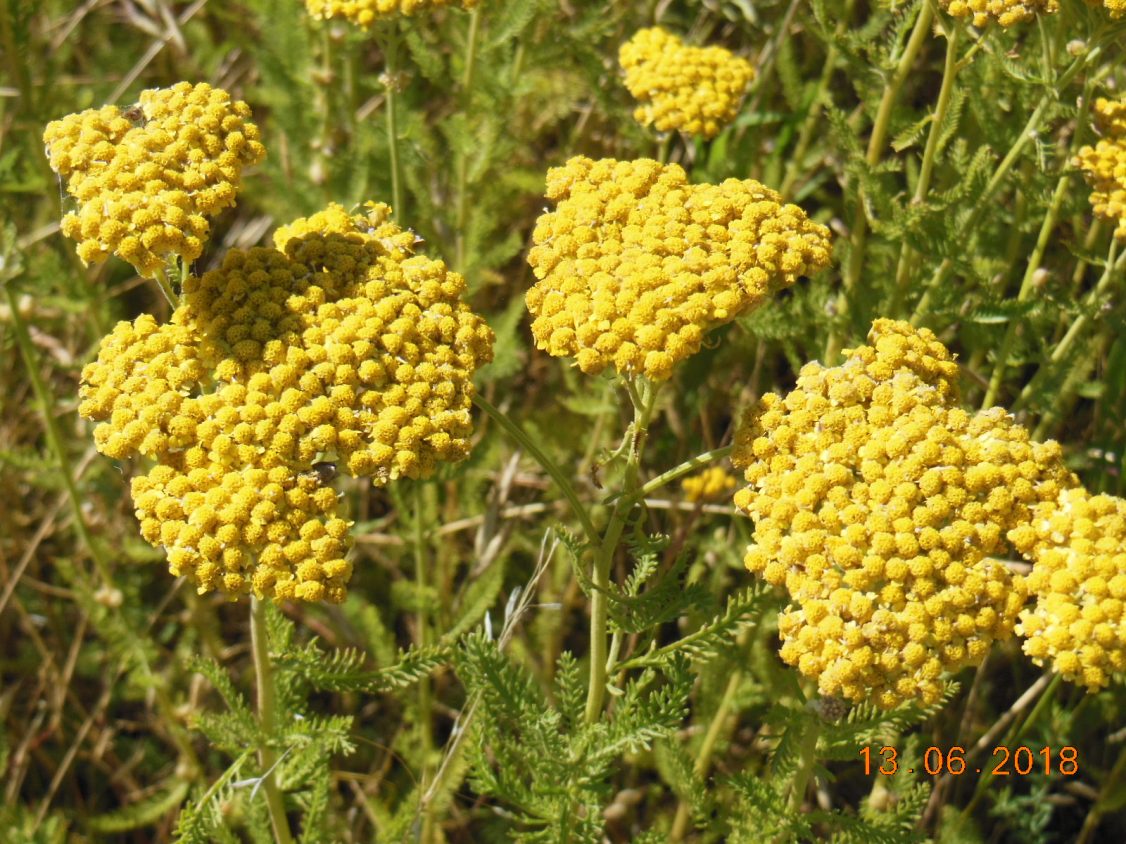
146,179
877,501
1104,164
1116,8
1078,545
636,264
710,485
338,345
1004,12
366,12
696,90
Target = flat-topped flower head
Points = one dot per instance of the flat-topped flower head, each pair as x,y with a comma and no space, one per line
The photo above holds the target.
712,484
635,264
146,179
1104,164
339,345
1005,12
877,502
695,90
366,12
1078,621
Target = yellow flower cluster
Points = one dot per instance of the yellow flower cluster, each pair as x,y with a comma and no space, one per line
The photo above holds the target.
696,90
1078,545
338,345
636,264
366,12
146,179
1116,8
710,485
1104,164
1004,12
877,501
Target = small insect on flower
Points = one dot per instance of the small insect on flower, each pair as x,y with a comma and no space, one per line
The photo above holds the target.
324,471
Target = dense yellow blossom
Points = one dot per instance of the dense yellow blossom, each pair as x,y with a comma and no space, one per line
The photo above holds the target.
1104,164
1078,545
877,501
696,90
1004,12
146,179
366,12
710,485
1116,8
338,345
636,264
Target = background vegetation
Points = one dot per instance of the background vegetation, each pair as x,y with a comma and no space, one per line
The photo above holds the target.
443,700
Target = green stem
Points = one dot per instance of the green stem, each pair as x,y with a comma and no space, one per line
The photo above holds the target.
424,698
600,580
685,468
54,438
1095,815
546,463
876,144
166,288
267,759
462,214
969,230
930,153
390,45
807,760
1115,264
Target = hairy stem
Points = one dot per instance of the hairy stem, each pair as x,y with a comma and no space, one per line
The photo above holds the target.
462,214
390,44
267,759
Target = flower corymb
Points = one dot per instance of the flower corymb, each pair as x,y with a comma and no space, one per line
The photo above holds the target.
146,179
1078,545
1005,12
877,502
635,264
366,12
337,345
695,90
1104,164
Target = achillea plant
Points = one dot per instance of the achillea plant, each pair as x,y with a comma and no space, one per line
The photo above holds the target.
1078,580
1004,12
147,178
877,502
366,12
635,265
694,90
339,344
1104,164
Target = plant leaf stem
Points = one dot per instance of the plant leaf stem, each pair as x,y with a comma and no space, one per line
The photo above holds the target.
389,43
876,144
426,834
1114,265
1106,794
807,759
644,403
968,231
1027,284
546,463
930,152
462,214
685,468
267,759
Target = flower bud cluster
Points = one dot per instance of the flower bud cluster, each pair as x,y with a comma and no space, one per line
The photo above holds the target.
366,12
1005,12
1116,8
1078,621
146,179
712,484
696,90
337,345
1104,164
636,264
877,501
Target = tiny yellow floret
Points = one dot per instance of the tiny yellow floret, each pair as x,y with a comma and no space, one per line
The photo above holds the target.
364,13
1104,164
